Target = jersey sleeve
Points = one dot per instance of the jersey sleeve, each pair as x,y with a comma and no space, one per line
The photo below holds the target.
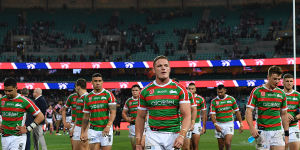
192,100
252,99
284,103
235,107
126,105
202,103
86,105
183,95
31,107
212,108
111,99
142,105
68,102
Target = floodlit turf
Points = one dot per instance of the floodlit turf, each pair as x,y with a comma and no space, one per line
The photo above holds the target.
207,141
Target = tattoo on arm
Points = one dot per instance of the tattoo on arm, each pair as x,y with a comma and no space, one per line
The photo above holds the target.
85,121
112,107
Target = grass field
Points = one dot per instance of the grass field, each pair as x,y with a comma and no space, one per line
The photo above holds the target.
207,141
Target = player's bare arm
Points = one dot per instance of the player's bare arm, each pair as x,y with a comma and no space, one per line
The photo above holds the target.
112,116
194,116
84,128
66,125
139,127
38,119
204,117
124,115
239,118
185,109
214,120
249,120
285,123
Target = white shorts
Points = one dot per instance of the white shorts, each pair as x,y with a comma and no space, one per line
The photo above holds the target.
49,120
96,137
131,129
188,135
157,140
69,119
14,142
270,138
294,134
197,128
77,133
226,128
58,117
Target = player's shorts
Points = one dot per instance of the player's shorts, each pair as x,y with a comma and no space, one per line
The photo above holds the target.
131,129
226,128
270,138
77,133
197,128
69,119
58,117
49,120
157,140
294,134
96,137
14,142
188,135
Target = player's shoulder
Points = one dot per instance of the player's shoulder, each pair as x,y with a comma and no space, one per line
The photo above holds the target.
147,87
257,89
296,92
214,99
230,97
73,95
279,90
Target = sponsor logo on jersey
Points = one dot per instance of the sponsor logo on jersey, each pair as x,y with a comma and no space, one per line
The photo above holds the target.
280,96
164,91
18,105
229,102
104,98
271,104
173,92
163,103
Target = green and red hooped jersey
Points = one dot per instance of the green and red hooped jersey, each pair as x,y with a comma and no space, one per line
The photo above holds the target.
293,103
14,111
79,109
71,102
223,108
201,105
97,104
162,103
269,103
131,105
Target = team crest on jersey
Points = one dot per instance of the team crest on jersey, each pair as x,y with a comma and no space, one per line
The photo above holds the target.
151,91
90,98
217,102
130,103
3,103
263,94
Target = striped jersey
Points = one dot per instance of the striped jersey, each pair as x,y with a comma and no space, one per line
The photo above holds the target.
269,103
71,102
97,104
49,114
201,105
79,109
14,113
131,105
223,108
58,108
162,103
293,99
192,102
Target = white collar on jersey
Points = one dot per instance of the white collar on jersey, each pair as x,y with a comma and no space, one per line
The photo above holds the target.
98,93
289,93
268,88
223,98
154,82
15,97
84,94
135,99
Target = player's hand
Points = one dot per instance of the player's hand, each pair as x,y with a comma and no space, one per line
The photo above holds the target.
286,140
21,130
203,131
291,118
129,119
192,126
241,128
71,133
84,136
105,131
218,128
178,142
138,147
254,133
67,125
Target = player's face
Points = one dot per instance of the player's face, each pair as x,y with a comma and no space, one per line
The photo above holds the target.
221,92
192,89
162,69
135,92
10,91
77,88
273,80
97,83
288,83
